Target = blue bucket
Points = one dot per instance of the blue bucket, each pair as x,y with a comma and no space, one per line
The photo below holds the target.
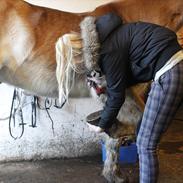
128,154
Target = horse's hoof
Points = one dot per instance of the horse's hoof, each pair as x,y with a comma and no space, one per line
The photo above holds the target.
121,180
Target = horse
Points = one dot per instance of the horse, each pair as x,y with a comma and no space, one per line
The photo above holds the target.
28,35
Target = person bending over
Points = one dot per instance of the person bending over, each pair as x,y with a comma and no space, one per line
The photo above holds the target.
128,54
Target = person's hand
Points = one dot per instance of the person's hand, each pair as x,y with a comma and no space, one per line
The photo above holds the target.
94,128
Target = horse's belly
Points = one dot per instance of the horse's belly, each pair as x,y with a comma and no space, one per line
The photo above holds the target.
35,83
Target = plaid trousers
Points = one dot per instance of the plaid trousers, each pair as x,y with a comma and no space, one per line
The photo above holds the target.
165,97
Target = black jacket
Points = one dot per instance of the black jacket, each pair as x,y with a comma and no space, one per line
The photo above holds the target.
130,53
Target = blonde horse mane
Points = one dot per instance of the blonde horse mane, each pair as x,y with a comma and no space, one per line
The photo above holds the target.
69,61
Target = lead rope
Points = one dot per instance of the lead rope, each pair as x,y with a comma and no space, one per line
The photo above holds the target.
47,108
19,108
34,112
13,116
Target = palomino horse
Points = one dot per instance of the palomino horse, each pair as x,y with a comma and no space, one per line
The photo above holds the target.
28,35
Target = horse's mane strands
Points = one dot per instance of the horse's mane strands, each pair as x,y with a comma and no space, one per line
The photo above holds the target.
69,61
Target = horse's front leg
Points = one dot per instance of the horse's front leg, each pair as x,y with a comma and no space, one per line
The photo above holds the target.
111,170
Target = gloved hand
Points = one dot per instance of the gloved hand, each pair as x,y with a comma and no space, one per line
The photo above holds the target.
94,128
97,81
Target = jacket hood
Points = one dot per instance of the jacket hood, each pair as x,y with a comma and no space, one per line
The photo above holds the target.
90,42
106,24
93,32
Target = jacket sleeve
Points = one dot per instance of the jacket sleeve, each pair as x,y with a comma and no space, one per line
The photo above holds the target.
114,68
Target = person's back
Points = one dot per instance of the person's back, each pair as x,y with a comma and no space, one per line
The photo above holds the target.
145,46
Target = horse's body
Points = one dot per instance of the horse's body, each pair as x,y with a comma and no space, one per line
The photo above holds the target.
28,34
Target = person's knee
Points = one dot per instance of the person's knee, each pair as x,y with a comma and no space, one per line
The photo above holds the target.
144,147
140,147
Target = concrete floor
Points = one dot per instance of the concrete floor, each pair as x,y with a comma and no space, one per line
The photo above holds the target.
88,169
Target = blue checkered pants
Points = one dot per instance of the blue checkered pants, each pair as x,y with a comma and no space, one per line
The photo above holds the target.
164,98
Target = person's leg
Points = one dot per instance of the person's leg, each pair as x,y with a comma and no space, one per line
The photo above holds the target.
146,92
138,126
164,98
